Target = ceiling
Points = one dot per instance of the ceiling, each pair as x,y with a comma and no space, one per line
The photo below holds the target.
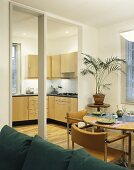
95,13
26,25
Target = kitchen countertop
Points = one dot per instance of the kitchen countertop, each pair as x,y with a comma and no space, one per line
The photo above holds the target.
21,95
58,95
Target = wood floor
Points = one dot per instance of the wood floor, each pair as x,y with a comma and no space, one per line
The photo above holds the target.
57,135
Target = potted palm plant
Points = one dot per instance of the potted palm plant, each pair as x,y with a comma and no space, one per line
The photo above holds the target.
100,70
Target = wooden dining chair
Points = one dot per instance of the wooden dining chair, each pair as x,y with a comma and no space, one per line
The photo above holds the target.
76,117
96,143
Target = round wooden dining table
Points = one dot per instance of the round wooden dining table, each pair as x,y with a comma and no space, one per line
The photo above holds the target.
119,124
126,125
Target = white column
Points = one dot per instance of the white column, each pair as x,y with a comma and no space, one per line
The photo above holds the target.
4,63
42,41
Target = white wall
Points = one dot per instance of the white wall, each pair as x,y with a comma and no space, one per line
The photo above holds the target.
4,64
62,45
110,45
88,43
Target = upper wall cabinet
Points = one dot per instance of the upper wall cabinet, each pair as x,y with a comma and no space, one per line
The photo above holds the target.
62,66
69,64
56,66
32,66
49,66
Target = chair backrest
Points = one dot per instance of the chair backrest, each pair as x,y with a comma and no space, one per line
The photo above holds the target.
76,116
89,140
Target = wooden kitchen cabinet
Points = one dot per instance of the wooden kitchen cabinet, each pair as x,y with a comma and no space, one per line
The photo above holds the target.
51,107
32,66
20,108
49,66
69,64
61,108
47,98
33,107
56,64
62,66
73,105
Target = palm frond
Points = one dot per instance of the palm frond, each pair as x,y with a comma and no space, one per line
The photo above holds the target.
90,61
114,68
87,71
101,64
106,86
114,60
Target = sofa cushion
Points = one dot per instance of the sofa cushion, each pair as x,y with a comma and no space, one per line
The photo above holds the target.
13,148
81,160
46,156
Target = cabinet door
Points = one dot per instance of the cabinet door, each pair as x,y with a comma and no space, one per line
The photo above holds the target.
73,105
69,63
56,63
47,105
32,66
61,108
51,107
20,108
33,107
49,67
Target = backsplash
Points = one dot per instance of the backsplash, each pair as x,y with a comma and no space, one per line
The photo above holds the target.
68,85
32,83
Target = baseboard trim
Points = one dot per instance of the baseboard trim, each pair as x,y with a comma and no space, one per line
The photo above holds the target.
31,122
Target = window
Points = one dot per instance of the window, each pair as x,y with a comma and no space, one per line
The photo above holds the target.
127,84
16,68
130,71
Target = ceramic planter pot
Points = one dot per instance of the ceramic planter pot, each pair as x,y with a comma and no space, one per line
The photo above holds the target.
99,99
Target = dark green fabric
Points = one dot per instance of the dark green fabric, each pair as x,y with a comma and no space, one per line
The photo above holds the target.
46,156
13,148
81,160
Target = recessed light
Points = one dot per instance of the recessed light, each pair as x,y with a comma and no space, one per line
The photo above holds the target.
67,32
24,34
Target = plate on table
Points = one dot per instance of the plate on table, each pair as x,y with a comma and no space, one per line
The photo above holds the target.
105,121
98,113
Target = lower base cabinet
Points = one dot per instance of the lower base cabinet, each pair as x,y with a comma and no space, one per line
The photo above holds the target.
59,106
20,108
51,107
24,108
33,107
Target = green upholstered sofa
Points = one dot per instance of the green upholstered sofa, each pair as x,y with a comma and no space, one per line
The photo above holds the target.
21,152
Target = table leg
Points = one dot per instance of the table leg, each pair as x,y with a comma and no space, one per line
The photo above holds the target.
98,109
129,148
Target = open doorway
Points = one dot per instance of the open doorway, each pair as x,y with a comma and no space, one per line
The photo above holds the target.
24,67
62,77
27,67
